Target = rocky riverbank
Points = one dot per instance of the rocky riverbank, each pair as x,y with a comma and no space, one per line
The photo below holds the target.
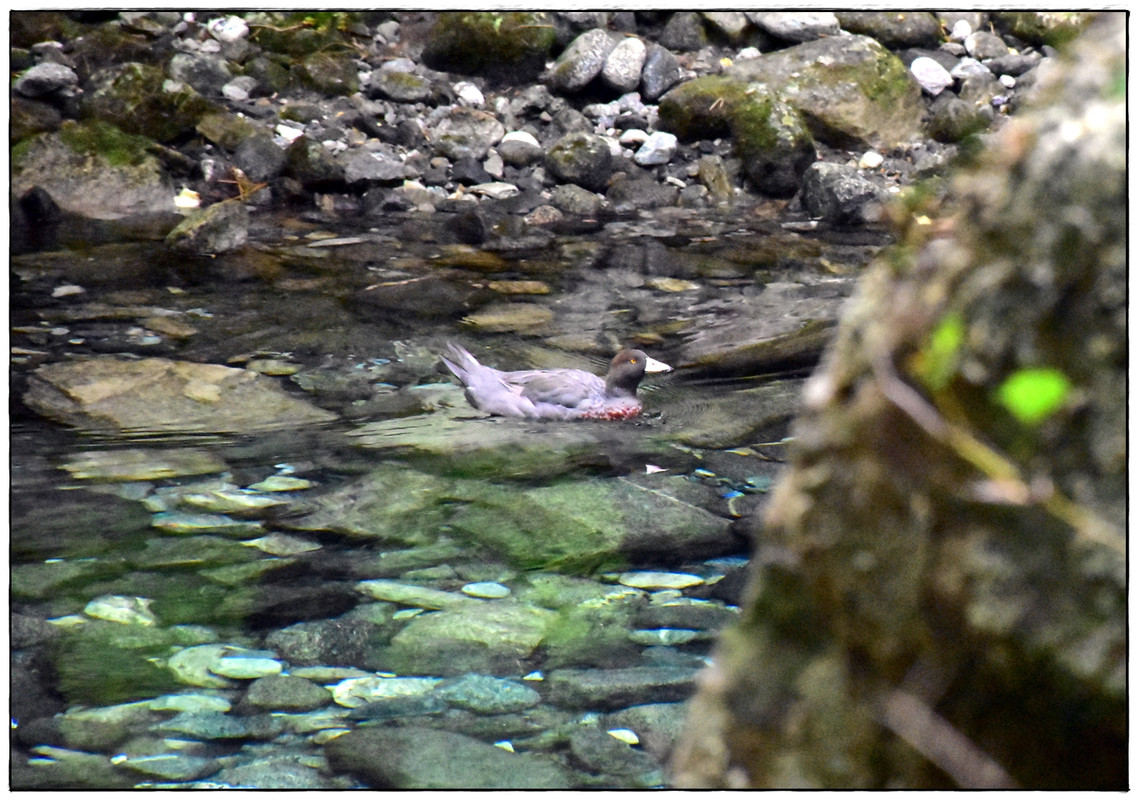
534,117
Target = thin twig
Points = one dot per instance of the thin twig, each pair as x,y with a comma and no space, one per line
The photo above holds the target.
940,742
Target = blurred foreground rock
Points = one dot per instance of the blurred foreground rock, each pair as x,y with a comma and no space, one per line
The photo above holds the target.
939,596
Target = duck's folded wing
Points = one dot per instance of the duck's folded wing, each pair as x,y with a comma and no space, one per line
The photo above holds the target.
568,388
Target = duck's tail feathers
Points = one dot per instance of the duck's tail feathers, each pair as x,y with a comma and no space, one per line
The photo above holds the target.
462,364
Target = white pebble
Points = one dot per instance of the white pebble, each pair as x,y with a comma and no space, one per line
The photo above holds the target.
929,73
871,159
486,589
468,94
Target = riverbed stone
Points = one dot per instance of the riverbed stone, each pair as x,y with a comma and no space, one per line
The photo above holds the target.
622,67
391,504
611,689
581,61
840,195
582,158
425,759
894,29
136,98
599,752
215,229
583,525
44,78
796,26
286,693
769,134
487,637
511,45
658,725
339,642
205,72
484,694
466,133
850,89
660,72
107,393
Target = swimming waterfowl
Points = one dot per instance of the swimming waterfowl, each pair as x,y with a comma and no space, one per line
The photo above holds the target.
554,393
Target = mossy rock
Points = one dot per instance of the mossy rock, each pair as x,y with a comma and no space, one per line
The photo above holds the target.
301,33
226,129
100,663
701,108
93,169
851,90
327,73
586,526
1054,28
512,45
770,136
132,97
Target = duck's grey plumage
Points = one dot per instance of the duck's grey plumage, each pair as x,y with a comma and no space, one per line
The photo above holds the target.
553,393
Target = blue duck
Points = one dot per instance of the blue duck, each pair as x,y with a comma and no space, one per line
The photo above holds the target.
555,393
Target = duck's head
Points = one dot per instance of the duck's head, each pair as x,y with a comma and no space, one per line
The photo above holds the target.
627,369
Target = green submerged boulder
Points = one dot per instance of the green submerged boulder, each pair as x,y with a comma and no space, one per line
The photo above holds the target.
588,525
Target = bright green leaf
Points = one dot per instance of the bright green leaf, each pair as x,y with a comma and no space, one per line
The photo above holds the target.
1033,394
937,360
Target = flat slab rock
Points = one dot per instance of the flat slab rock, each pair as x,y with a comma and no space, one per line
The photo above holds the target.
155,394
434,759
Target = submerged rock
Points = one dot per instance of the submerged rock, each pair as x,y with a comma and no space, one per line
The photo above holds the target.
216,229
154,394
425,759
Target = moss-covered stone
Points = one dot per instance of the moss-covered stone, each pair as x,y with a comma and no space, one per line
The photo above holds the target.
93,169
510,45
1055,28
327,73
99,663
301,33
585,526
226,129
850,89
136,98
769,135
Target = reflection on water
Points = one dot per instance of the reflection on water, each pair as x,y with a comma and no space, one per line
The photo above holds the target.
130,549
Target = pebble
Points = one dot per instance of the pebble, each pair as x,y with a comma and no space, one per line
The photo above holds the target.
246,667
664,636
929,73
659,580
180,522
117,608
355,692
280,544
486,589
190,701
624,735
281,483
658,148
871,159
192,665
